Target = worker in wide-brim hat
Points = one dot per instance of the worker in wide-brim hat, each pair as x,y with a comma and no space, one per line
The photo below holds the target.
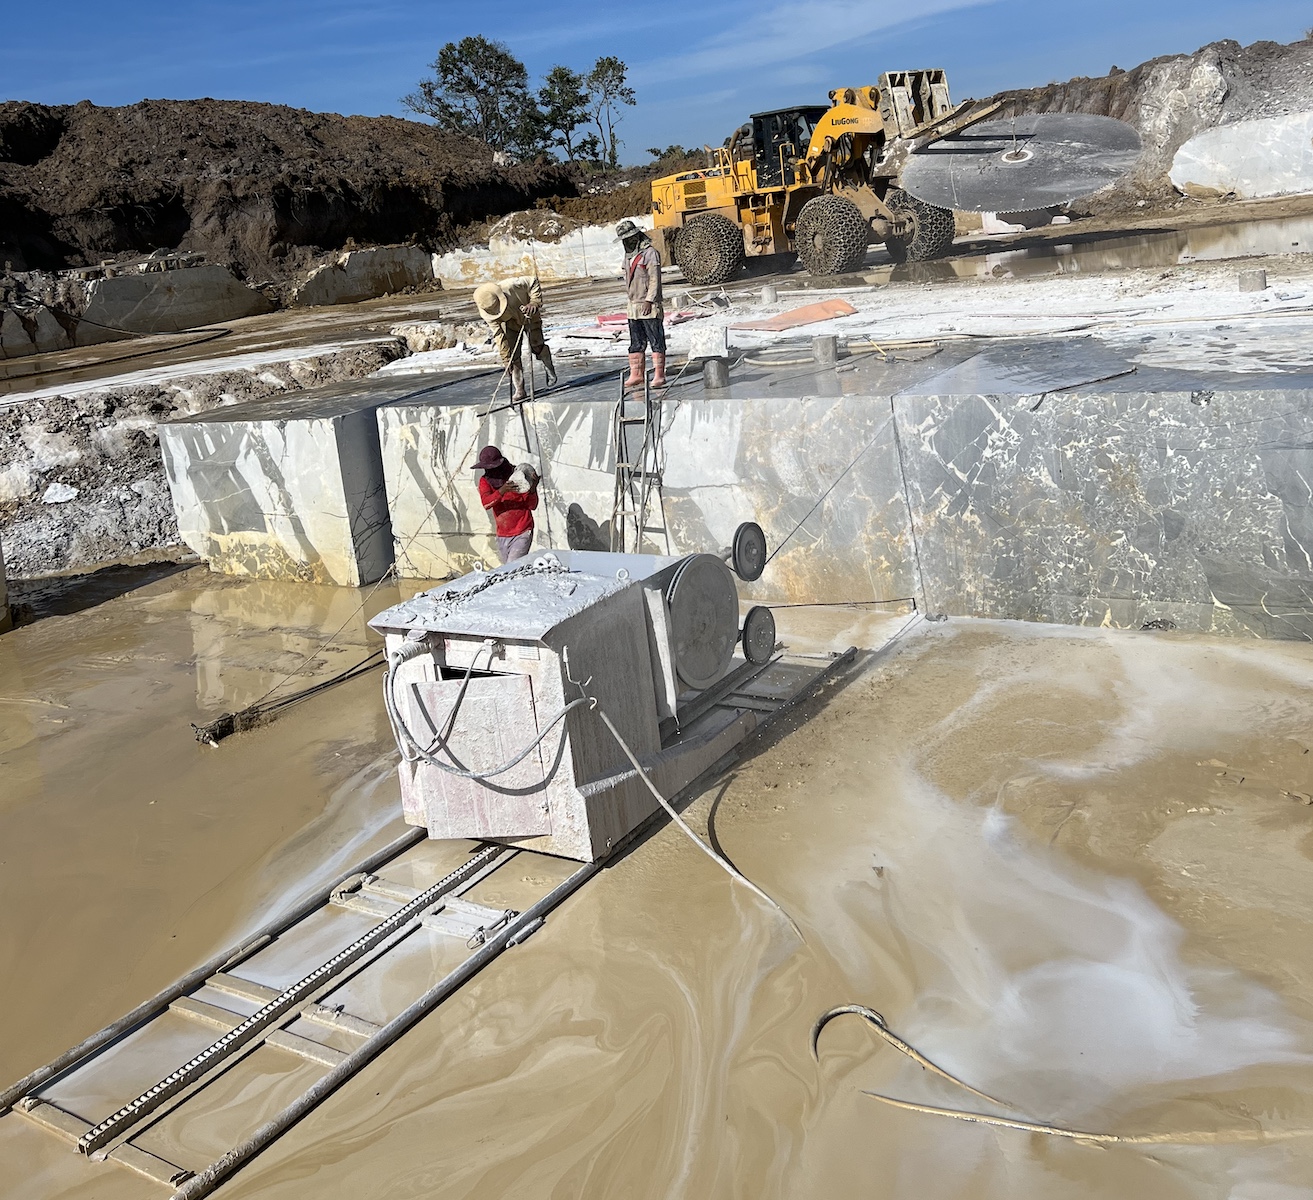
511,509
646,309
513,310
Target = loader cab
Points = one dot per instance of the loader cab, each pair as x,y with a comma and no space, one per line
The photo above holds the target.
773,132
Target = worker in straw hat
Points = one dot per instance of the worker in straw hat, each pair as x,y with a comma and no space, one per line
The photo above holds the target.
513,310
646,311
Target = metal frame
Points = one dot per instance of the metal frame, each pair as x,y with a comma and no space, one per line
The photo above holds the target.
401,910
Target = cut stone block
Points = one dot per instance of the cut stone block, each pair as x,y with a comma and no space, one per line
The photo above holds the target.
726,461
1271,156
364,274
169,301
1100,508
286,489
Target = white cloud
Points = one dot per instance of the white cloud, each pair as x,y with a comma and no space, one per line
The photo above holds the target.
787,34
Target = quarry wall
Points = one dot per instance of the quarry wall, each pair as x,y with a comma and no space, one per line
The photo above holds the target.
1095,507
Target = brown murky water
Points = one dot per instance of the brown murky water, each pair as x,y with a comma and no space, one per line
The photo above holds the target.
1067,865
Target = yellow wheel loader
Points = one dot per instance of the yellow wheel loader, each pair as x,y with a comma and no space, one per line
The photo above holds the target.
819,182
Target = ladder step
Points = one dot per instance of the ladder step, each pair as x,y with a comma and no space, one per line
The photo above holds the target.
65,1125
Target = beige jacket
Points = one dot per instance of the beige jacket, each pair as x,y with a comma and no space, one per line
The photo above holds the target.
643,280
519,292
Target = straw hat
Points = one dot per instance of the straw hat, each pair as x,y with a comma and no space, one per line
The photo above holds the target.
491,301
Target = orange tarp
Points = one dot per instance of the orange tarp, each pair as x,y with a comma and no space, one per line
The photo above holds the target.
809,314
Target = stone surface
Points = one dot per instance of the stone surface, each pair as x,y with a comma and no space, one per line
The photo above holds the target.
1272,156
589,251
1092,508
59,493
288,489
6,621
364,274
727,461
169,301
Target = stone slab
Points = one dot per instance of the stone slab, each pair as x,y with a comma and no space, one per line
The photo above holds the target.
1271,156
819,474
170,301
1190,507
288,490
358,275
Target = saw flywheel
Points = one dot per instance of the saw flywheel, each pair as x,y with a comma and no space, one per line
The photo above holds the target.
1022,163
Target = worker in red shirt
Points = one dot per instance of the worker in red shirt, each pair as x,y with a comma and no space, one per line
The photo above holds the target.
511,508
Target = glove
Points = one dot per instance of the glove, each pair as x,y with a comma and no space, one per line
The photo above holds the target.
529,309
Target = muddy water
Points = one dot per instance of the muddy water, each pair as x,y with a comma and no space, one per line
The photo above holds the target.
1092,254
128,852
1065,864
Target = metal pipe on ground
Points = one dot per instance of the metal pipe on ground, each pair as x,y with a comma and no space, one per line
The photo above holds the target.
162,1000
204,1183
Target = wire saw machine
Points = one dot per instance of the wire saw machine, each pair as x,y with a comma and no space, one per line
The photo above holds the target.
495,681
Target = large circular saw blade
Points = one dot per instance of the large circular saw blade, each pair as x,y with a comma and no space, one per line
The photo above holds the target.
1022,163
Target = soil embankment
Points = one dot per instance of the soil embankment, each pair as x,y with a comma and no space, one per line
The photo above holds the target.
262,187
1170,99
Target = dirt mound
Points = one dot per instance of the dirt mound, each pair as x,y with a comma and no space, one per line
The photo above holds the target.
1168,100
263,187
537,225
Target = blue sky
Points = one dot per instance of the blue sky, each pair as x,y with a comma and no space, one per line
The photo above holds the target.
699,68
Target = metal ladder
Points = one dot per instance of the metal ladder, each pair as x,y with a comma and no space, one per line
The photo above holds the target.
638,484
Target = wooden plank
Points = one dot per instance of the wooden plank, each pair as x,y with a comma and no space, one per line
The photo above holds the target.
388,890
212,1014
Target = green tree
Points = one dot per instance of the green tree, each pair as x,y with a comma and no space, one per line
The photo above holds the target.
479,88
608,89
563,99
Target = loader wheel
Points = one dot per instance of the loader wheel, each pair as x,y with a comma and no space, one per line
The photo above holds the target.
709,249
831,235
927,231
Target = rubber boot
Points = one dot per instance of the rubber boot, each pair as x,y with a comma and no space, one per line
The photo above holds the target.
637,369
548,366
517,381
658,370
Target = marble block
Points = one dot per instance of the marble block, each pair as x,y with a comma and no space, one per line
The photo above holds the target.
285,489
356,275
1271,156
1100,508
169,301
819,474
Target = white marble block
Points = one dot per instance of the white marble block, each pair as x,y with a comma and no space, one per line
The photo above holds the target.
285,489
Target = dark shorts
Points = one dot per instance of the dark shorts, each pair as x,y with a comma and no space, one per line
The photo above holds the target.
645,332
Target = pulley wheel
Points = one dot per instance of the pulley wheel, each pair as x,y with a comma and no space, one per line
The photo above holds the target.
748,555
758,635
704,619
